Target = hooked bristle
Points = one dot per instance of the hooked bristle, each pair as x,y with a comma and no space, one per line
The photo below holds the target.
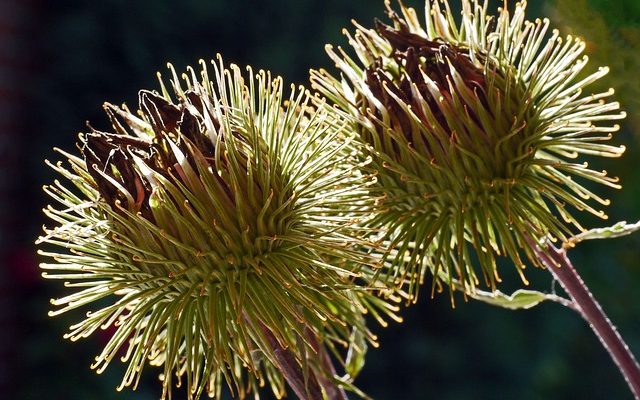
489,120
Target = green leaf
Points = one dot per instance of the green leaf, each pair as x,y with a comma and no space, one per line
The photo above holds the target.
617,230
357,352
519,300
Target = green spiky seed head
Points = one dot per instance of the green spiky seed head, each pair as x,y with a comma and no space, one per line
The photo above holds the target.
214,228
477,128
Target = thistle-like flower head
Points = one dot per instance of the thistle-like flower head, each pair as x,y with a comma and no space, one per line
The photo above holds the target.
476,128
214,228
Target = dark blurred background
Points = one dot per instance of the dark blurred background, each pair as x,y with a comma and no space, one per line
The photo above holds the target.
60,60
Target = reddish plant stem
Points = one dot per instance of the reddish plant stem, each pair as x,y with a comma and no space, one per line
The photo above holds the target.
334,391
560,267
307,385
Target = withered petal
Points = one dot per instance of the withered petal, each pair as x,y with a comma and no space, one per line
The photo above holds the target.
163,115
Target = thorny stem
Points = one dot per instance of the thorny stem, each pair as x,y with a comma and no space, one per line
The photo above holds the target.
560,267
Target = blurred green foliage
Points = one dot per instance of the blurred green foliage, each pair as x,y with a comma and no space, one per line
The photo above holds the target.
612,32
95,51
